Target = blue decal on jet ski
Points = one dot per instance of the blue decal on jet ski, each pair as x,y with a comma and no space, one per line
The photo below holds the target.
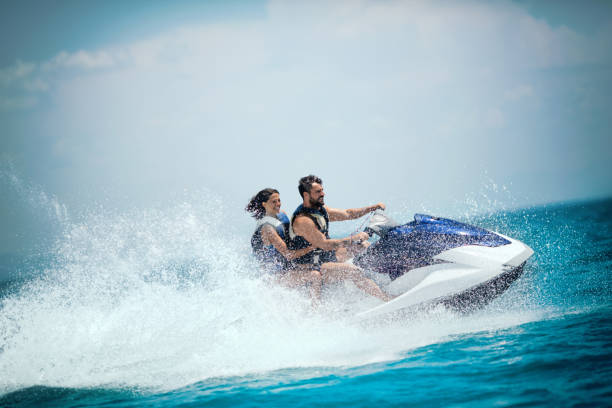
426,225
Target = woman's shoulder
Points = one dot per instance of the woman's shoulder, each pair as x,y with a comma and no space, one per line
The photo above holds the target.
283,217
268,220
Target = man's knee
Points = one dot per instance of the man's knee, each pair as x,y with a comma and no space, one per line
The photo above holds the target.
315,275
342,254
339,266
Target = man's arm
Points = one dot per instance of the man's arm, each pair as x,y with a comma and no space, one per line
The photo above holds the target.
336,214
306,228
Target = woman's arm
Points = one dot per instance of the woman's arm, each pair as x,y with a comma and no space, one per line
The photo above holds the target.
271,237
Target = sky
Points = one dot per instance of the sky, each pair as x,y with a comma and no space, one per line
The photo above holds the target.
419,104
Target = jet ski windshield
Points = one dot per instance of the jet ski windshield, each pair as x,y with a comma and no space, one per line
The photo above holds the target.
380,224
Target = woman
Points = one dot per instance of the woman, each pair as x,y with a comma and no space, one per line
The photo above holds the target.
270,248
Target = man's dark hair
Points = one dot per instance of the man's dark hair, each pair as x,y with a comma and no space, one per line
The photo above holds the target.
306,184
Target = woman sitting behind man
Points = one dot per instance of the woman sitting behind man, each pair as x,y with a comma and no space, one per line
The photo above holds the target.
269,243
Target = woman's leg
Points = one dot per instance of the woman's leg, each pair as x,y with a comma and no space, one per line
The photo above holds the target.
303,277
335,272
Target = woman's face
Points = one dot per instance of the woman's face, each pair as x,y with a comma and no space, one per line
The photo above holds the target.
273,205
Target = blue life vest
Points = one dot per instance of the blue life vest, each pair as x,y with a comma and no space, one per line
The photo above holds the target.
267,254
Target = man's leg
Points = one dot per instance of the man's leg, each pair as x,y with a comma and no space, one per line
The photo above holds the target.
344,254
336,272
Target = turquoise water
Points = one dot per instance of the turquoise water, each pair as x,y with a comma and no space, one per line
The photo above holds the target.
162,308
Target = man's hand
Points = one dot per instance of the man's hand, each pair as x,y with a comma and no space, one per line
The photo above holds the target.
359,237
380,206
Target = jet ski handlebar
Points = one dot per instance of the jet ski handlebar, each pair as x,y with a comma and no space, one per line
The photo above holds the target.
379,224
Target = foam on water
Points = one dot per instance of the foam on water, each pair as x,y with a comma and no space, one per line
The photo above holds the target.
158,299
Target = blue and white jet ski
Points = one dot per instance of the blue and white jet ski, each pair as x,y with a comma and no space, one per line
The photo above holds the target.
435,260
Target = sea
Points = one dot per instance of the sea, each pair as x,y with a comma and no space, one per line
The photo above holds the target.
164,307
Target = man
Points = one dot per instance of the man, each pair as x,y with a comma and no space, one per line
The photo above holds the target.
310,227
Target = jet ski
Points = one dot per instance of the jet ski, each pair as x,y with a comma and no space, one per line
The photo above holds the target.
433,260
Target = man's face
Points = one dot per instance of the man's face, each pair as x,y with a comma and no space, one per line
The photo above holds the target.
316,195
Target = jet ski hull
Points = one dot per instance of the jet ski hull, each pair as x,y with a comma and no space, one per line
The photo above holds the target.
482,294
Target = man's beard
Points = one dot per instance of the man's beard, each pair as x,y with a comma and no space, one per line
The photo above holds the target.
317,203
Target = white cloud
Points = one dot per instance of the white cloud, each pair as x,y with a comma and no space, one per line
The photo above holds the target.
36,85
204,104
16,72
17,103
81,60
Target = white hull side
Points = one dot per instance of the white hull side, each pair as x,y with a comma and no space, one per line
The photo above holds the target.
461,270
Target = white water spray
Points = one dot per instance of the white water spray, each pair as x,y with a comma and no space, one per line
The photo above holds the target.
159,299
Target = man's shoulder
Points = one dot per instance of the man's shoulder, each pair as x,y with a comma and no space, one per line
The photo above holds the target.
302,220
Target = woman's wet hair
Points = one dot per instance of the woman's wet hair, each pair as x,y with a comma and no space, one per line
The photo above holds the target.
255,206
